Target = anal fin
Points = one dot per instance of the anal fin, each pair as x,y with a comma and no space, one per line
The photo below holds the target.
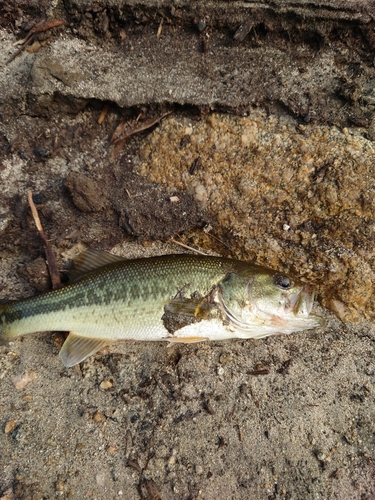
77,348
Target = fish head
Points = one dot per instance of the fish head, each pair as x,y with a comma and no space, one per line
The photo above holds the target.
261,298
278,294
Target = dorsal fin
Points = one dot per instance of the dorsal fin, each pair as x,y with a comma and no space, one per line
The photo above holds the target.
88,261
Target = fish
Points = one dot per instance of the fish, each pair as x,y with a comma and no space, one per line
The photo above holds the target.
175,298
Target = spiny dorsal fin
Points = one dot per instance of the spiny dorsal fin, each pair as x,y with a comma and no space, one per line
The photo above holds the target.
89,261
77,348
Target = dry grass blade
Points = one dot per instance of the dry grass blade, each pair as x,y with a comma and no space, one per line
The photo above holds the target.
187,247
50,256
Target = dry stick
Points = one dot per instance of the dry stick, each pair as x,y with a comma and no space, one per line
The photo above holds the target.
38,28
26,42
50,256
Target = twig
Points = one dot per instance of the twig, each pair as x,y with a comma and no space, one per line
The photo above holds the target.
50,256
28,40
38,28
186,246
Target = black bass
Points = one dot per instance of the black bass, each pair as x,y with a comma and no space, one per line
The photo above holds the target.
178,298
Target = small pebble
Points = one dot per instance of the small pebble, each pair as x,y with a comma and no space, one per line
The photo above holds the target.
22,380
60,486
201,26
58,339
10,426
42,153
36,274
39,198
225,358
106,384
134,418
98,417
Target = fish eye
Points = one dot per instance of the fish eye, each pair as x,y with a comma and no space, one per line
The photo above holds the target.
282,282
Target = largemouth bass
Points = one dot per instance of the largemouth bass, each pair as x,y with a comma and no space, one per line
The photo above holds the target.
178,298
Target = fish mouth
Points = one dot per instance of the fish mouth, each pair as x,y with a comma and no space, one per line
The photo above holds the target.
301,303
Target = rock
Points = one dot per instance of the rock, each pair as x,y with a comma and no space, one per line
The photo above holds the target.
36,274
86,194
199,470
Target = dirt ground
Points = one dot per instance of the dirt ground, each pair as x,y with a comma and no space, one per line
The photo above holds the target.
267,154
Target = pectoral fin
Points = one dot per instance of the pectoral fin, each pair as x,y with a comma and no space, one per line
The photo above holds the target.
77,348
198,308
